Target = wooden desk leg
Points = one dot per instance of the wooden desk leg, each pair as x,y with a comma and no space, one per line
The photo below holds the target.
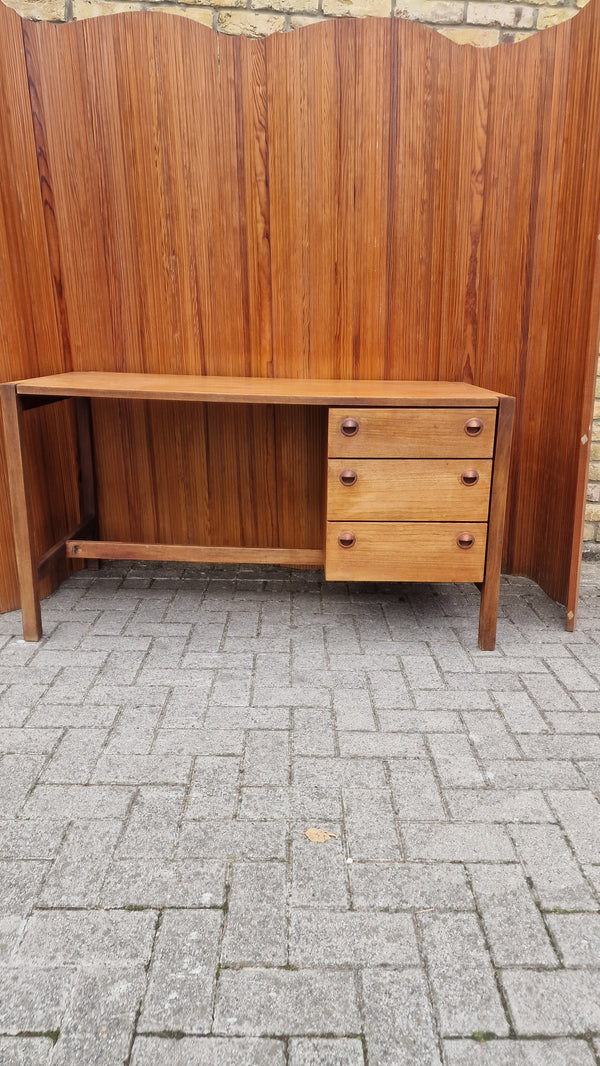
87,488
12,415
490,590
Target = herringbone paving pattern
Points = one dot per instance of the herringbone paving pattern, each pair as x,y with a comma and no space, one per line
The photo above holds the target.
168,744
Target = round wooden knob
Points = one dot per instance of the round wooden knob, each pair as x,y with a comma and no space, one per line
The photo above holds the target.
346,540
465,540
348,477
469,477
473,427
349,427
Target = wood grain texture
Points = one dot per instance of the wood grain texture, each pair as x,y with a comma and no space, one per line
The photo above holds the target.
412,434
357,200
405,551
408,490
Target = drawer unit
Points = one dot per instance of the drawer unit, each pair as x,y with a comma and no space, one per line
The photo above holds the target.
405,551
408,490
410,494
412,433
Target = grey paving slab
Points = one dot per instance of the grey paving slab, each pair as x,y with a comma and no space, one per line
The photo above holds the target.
100,1018
515,929
399,1024
458,843
556,876
153,882
410,886
327,939
207,1051
518,1053
465,993
65,937
257,921
20,883
32,998
325,1052
78,871
25,1050
230,839
553,1003
279,1002
183,973
319,871
577,938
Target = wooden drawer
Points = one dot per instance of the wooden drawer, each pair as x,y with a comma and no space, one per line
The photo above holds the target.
409,490
405,551
412,433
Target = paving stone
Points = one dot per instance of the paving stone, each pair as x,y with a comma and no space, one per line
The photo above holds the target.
74,716
416,794
214,787
409,886
395,721
28,741
488,805
577,938
319,872
560,746
75,756
455,761
518,1053
465,994
129,769
380,745
182,973
76,876
25,1050
472,842
134,732
300,802
286,1002
197,741
267,758
324,1052
514,927
209,1051
20,882
579,813
29,838
256,929
556,877
79,802
370,824
229,839
153,882
553,1003
353,710
65,938
18,774
525,773
153,823
11,931
520,712
99,1022
326,938
327,772
33,999
399,1026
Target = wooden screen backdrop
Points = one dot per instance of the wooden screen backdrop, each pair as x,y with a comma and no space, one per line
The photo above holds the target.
357,199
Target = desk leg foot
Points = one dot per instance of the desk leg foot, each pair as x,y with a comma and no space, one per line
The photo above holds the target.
27,568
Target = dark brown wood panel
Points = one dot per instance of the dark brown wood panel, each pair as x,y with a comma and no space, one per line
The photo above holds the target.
357,199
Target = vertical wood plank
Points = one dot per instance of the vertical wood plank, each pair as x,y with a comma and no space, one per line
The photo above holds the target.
22,517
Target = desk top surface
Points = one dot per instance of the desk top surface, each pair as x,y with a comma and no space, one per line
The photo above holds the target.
260,390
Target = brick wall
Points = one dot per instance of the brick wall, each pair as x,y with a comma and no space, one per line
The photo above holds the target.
478,22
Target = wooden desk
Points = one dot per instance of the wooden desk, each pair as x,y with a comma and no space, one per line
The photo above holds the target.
416,479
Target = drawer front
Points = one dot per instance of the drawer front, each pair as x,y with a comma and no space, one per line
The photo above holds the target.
412,433
405,551
408,490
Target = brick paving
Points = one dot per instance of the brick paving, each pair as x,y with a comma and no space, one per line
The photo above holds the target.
165,748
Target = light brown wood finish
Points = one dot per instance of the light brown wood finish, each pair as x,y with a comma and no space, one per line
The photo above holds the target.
405,551
488,611
412,434
22,518
190,553
317,392
408,490
358,199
